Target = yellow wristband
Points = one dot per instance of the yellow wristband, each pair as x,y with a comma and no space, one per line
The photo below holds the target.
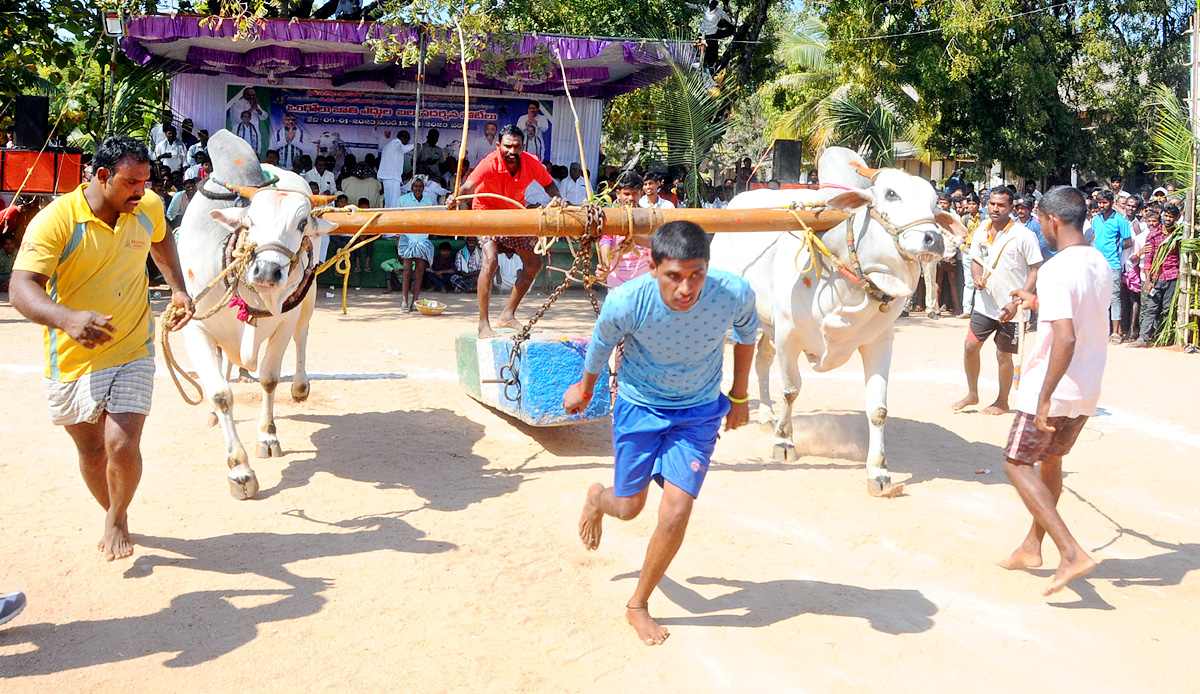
740,401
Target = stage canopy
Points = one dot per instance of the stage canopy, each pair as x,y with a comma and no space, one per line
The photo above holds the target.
335,53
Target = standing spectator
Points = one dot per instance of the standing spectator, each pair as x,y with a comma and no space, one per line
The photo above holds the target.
394,165
186,136
954,184
1160,258
483,145
573,187
99,326
12,218
200,146
1112,235
1004,258
291,142
414,250
441,270
323,177
8,255
1135,275
535,124
429,155
170,152
467,265
159,132
1023,208
971,219
651,198
508,171
1115,183
1031,192
180,202
1061,383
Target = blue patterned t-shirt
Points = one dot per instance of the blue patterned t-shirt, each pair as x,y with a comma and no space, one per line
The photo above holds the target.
672,358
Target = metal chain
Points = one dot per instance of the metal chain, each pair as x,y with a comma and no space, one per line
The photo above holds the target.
592,231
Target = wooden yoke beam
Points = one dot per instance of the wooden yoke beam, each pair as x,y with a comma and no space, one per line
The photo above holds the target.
570,221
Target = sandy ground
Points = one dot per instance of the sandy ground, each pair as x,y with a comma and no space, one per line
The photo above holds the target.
413,540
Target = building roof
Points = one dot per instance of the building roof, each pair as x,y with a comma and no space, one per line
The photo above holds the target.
336,51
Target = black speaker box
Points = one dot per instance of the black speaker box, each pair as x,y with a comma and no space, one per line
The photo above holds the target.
788,161
32,121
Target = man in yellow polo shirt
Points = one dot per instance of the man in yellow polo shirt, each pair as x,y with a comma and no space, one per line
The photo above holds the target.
81,272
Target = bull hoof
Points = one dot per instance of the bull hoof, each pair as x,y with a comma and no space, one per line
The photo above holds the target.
884,489
270,449
243,485
300,392
212,419
785,452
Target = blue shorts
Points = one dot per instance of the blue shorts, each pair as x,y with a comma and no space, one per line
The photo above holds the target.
658,444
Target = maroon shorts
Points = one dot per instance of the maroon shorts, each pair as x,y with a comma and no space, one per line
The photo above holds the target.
1028,445
514,243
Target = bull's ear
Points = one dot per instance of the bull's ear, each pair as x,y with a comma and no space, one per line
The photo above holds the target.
852,201
320,226
950,223
232,218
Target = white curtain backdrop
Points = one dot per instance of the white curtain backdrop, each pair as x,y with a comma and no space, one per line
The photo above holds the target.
564,147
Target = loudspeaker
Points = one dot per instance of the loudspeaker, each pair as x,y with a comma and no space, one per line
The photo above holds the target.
32,121
788,161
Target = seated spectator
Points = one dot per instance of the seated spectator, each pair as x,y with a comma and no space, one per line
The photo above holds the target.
272,157
467,265
774,184
510,269
170,152
322,176
361,183
201,145
196,170
13,217
8,254
442,269
186,135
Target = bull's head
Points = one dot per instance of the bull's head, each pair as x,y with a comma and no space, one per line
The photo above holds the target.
897,226
277,222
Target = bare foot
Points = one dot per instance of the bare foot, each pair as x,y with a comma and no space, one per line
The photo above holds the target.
650,632
971,399
509,322
116,543
590,523
998,407
1069,571
486,332
1023,558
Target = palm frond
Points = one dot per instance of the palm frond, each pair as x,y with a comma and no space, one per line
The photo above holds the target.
1174,145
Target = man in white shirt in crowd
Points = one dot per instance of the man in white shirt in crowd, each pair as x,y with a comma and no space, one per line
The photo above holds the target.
171,152
573,187
200,146
1004,257
197,170
483,145
394,164
650,197
159,133
291,142
247,101
509,269
536,196
1060,385
535,124
322,176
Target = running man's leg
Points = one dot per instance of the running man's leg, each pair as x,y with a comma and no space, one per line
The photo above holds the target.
971,349
1029,554
1040,501
93,457
602,501
123,443
674,511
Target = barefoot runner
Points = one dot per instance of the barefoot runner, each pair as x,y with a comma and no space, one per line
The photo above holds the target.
88,250
508,171
669,408
1060,383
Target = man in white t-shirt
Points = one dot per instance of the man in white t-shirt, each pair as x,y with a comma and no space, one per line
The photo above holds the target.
1004,257
509,270
483,145
650,197
1060,384
573,187
323,177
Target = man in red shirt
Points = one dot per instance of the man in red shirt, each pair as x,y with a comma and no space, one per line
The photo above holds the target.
508,171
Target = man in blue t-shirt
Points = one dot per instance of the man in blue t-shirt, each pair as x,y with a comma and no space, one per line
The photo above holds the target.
1112,234
669,405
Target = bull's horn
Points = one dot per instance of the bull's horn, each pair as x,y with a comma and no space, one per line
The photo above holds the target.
244,191
865,171
321,200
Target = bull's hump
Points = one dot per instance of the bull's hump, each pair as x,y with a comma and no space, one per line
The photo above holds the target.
234,160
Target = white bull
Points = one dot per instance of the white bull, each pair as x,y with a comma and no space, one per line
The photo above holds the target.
808,307
276,289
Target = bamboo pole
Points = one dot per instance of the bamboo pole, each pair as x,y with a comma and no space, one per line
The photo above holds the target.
570,221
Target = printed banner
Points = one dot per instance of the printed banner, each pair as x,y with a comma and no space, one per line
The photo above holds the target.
295,122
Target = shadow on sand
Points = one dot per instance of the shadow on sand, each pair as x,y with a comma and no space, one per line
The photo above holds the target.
892,611
927,451
200,626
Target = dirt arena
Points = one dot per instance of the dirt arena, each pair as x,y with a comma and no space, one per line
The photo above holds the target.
413,540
